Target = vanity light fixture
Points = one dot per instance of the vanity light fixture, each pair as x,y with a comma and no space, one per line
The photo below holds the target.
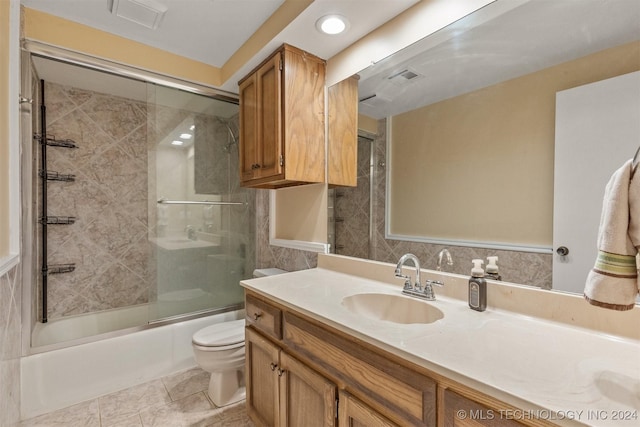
177,142
185,135
192,127
332,24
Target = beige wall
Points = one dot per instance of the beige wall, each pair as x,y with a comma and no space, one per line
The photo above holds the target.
4,128
479,166
367,124
302,213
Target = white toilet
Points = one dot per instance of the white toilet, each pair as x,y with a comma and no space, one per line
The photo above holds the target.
219,349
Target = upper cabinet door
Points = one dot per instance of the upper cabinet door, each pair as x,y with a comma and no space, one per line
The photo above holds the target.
282,117
269,79
342,166
248,127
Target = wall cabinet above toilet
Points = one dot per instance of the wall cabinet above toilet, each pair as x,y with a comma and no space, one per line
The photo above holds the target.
282,138
282,123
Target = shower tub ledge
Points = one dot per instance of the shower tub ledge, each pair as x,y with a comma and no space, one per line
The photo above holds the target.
59,378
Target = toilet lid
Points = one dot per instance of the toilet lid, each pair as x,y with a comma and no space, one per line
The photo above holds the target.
220,334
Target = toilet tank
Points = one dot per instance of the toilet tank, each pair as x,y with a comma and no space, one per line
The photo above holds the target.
263,272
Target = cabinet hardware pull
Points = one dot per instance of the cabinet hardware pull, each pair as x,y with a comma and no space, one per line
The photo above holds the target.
280,372
273,366
256,316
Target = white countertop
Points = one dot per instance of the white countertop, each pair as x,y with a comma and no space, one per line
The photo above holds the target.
551,370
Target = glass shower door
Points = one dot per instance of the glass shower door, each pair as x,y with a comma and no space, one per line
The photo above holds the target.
198,245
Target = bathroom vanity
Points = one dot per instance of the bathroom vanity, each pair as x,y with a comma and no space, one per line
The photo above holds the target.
339,345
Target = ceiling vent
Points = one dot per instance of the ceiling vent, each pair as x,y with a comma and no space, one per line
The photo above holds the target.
404,77
148,13
373,101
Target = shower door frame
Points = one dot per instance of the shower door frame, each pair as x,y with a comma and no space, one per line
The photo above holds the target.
33,48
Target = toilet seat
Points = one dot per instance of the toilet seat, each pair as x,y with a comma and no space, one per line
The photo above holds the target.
221,336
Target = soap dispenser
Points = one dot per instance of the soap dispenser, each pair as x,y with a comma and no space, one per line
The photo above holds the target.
477,287
492,268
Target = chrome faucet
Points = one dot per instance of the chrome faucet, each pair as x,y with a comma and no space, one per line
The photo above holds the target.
407,283
416,289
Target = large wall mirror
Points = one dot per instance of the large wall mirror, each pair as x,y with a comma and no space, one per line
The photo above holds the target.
464,153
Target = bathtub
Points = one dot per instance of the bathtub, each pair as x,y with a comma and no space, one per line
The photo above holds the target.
82,326
62,377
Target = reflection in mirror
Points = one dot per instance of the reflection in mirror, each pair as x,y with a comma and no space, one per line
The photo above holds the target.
486,85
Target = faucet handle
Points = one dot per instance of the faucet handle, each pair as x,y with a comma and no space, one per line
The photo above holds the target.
428,289
434,282
407,279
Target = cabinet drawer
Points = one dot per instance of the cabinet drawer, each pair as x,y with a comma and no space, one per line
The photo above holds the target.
404,396
264,316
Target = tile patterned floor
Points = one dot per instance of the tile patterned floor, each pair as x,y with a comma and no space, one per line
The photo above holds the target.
178,400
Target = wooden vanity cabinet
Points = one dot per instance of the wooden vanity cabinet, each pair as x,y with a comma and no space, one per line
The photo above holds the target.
282,136
354,413
262,358
283,392
461,411
301,372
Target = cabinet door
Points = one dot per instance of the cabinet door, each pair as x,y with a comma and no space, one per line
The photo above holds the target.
262,360
460,411
354,413
306,398
248,127
342,167
270,141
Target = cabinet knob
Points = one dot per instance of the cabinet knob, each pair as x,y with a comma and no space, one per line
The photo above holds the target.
256,316
562,251
255,166
273,366
281,372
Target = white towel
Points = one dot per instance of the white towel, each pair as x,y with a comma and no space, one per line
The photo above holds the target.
613,282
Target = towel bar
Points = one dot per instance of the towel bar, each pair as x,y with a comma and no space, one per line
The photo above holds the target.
634,163
194,202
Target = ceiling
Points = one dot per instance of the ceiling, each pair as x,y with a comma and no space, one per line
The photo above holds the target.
503,40
211,31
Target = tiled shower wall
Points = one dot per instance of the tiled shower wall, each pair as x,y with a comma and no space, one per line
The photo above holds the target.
352,208
108,242
10,346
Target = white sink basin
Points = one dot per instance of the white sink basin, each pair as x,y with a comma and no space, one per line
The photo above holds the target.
392,308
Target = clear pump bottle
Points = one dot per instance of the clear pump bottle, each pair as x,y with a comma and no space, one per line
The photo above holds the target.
477,287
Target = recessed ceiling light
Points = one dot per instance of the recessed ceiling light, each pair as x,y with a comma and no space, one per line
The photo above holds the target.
185,135
177,142
332,24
